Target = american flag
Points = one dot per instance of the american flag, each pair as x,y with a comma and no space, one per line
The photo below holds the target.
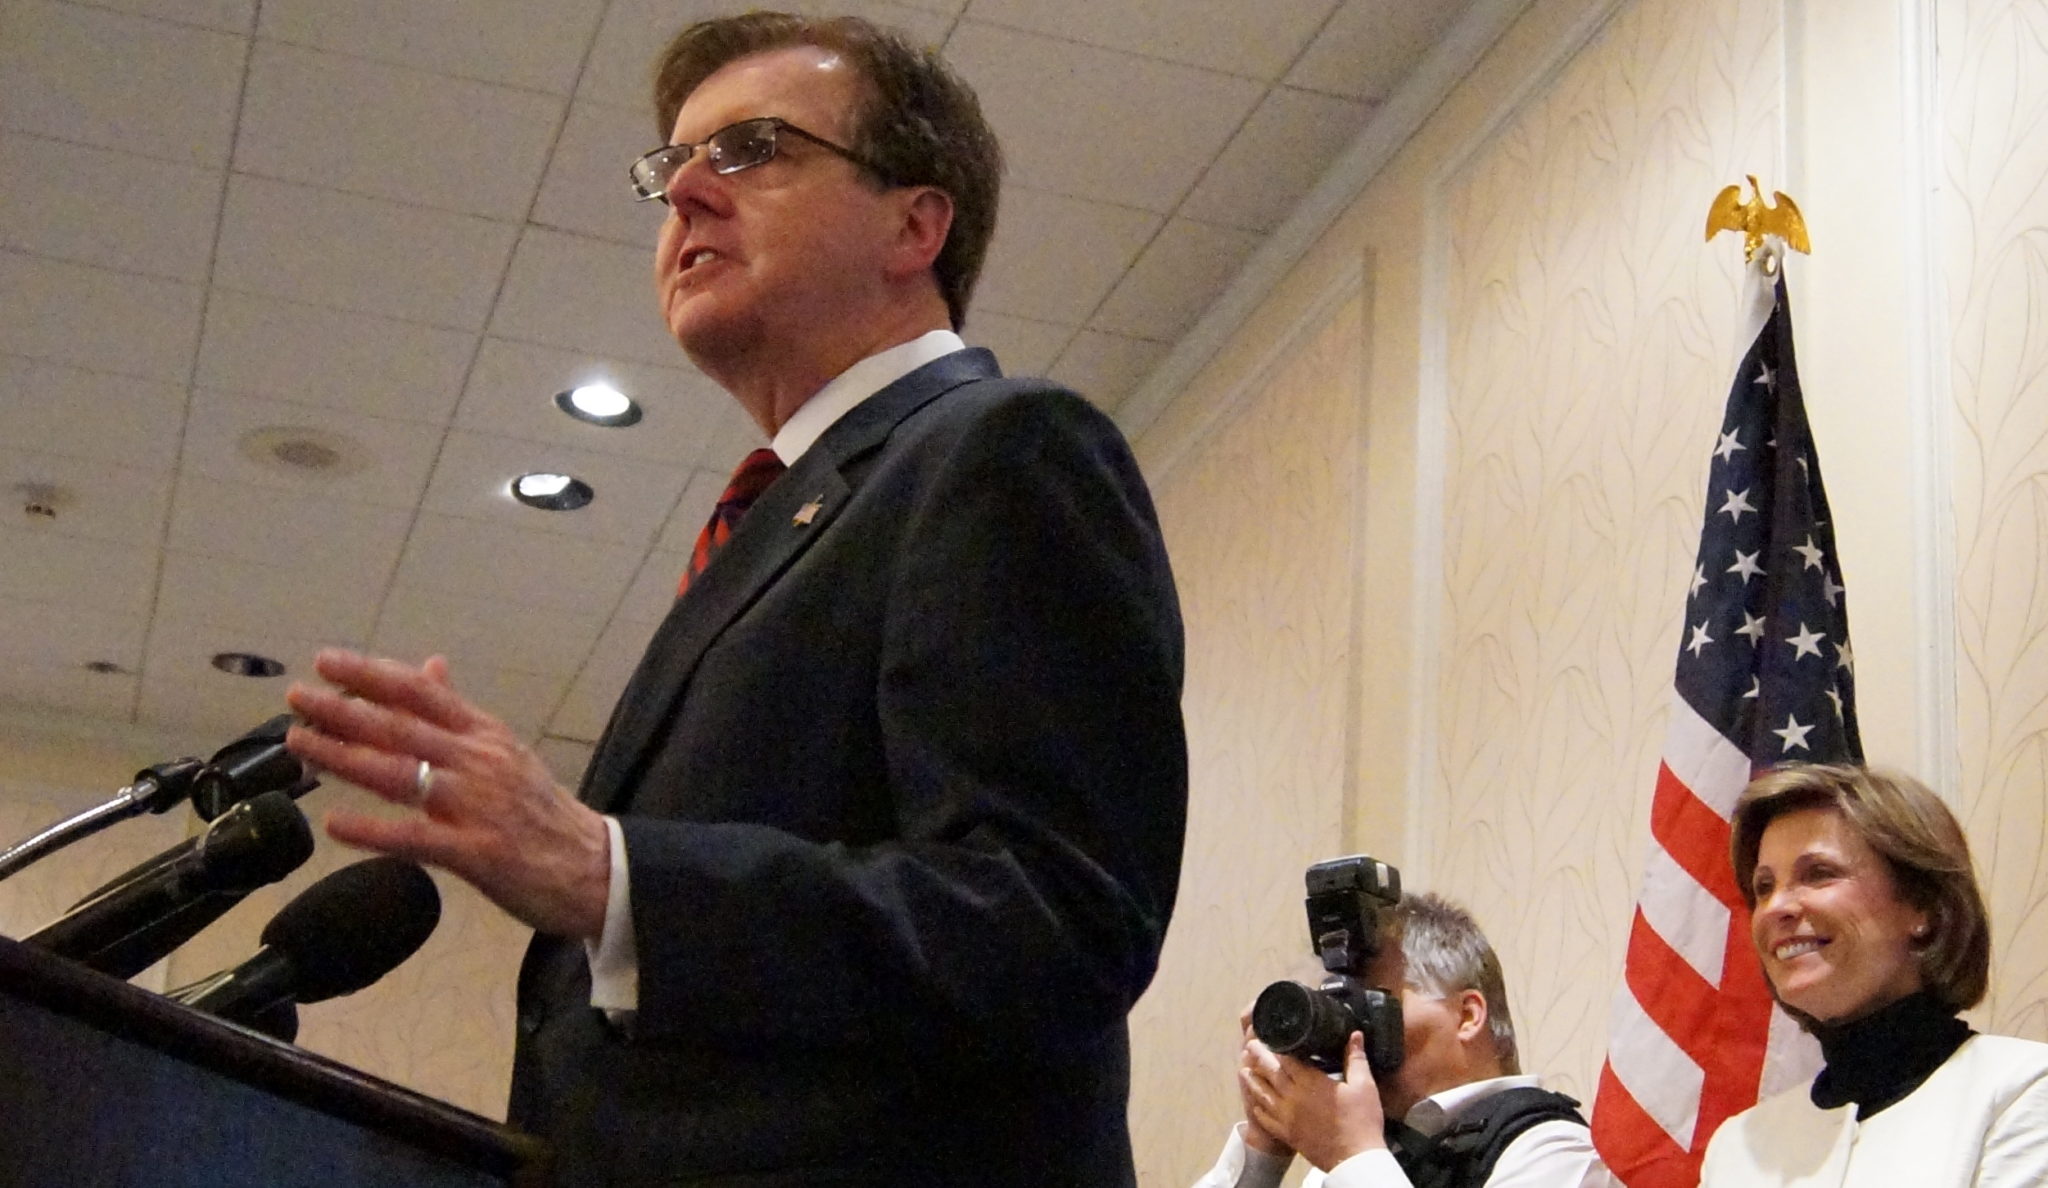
1765,676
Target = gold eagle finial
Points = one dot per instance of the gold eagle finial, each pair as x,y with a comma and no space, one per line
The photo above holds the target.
1756,220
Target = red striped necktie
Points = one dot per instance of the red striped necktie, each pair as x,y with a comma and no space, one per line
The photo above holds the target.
752,477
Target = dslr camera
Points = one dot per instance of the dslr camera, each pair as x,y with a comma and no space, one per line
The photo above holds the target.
1345,898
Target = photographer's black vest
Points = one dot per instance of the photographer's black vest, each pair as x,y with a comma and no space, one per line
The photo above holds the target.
1462,1155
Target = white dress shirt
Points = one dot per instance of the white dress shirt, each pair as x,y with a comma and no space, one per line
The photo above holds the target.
1553,1154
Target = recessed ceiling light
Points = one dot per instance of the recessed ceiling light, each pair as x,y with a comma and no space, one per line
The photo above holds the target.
552,492
247,664
599,404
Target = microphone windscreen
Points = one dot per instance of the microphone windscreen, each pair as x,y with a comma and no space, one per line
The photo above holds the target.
255,843
354,926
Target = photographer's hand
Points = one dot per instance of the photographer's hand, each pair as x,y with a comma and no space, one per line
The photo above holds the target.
1256,1136
1327,1121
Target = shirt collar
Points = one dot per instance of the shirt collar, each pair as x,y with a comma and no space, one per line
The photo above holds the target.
1432,1114
854,385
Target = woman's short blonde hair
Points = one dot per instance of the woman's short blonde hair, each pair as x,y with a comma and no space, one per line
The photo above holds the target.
1920,841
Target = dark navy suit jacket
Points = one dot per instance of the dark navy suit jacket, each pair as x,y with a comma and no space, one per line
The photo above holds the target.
903,783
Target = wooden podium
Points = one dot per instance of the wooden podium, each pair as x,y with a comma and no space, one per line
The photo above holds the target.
106,1084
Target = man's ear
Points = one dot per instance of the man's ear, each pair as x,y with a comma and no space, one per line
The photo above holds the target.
925,219
1471,1015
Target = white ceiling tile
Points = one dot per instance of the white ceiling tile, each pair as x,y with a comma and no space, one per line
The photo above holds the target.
474,475
1175,280
309,354
410,136
536,44
180,686
1054,259
67,635
568,758
1022,346
120,82
289,600
69,689
77,203
1259,40
1096,123
621,67
1106,367
1282,151
1371,45
586,295
512,388
93,499
105,321
596,689
586,188
308,531
89,575
506,566
692,512
380,461
228,16
653,590
88,414
522,700
363,254
475,632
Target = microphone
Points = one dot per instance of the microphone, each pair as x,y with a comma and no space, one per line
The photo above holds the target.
340,935
251,765
154,790
245,768
248,767
254,844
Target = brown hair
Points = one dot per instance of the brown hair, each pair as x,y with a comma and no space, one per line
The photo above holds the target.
1920,841
920,124
1444,953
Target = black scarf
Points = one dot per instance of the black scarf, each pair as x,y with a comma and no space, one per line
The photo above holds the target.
1878,1059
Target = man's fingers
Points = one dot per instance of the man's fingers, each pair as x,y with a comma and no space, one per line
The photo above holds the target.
353,720
1356,1068
390,776
423,691
408,837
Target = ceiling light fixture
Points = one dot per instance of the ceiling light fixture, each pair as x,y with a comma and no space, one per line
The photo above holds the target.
247,664
552,492
599,404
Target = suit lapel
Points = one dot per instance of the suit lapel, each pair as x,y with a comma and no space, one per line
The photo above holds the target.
789,515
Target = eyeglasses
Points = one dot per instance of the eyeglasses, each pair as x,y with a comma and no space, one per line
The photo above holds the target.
729,150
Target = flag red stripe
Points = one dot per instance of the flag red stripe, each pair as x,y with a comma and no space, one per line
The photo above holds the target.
1668,989
1694,835
1631,1143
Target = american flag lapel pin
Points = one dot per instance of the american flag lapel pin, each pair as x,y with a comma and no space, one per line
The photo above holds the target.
808,512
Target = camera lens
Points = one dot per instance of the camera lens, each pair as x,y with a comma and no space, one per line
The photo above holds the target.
1291,1018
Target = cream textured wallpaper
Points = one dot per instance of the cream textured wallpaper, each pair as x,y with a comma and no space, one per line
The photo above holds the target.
1259,526
1994,235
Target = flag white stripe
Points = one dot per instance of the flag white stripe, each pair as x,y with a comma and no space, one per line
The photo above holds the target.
1704,760
1681,911
1664,1081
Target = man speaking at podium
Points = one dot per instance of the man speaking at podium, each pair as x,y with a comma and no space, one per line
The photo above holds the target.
880,844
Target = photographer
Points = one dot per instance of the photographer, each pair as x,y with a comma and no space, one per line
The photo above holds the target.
1467,1116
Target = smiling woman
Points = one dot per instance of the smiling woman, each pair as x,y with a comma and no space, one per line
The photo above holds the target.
1869,925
